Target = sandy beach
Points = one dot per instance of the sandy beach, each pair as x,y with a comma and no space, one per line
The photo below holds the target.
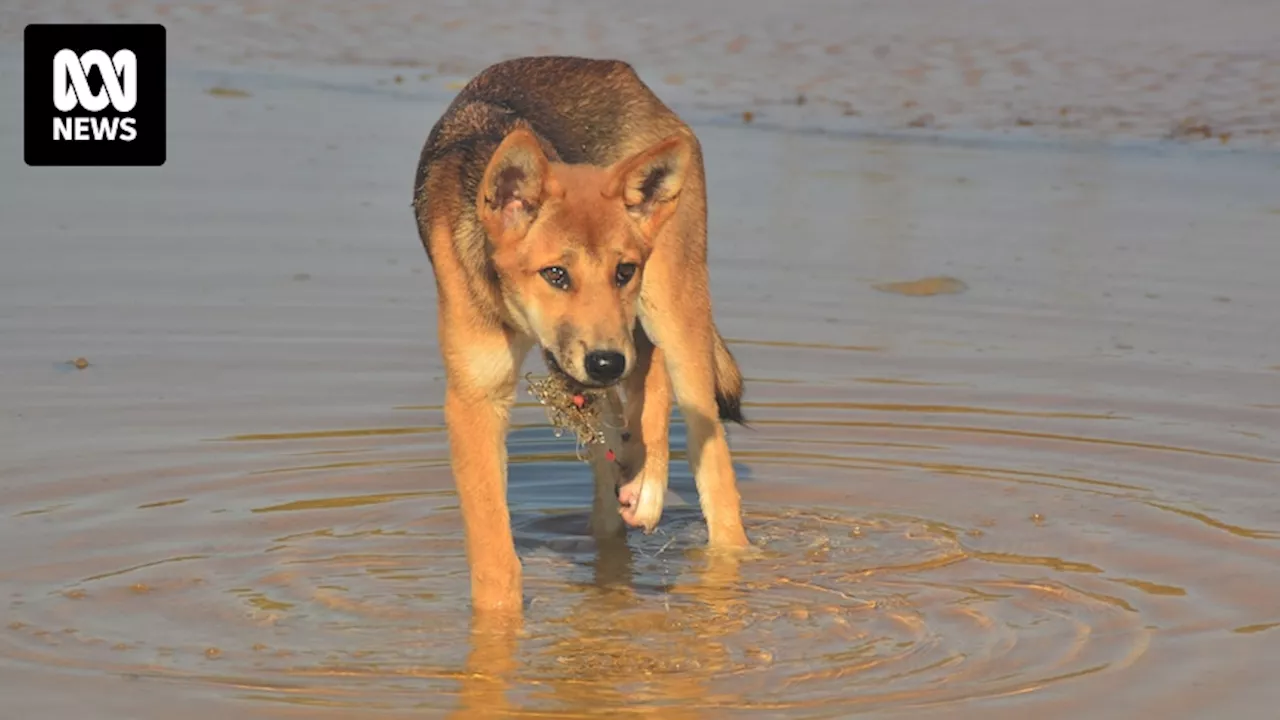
1001,275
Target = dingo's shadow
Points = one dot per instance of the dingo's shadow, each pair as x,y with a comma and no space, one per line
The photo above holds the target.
544,470
643,564
545,478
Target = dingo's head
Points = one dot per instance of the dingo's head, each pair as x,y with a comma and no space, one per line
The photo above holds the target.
570,244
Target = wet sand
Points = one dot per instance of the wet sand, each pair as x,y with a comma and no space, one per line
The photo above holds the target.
1014,401
1120,69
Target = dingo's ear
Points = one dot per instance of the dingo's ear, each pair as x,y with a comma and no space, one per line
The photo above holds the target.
649,182
513,187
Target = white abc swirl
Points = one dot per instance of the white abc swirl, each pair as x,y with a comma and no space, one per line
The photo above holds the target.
68,66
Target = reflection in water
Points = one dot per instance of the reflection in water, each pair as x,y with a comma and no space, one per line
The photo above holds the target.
613,649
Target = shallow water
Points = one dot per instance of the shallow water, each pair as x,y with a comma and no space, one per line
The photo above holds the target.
1040,482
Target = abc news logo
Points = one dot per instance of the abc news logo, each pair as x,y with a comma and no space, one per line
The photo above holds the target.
107,105
71,90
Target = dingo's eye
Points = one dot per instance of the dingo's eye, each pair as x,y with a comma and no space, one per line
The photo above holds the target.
624,273
558,277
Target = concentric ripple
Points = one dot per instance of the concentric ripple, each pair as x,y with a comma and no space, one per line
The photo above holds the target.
835,611
357,600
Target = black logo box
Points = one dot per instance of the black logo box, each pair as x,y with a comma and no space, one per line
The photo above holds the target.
41,42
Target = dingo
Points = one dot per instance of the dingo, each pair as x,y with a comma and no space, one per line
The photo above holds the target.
562,204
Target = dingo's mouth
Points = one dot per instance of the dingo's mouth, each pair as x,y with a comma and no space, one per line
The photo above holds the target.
573,383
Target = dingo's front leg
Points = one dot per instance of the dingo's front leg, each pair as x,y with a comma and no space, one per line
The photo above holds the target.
688,342
646,450
481,377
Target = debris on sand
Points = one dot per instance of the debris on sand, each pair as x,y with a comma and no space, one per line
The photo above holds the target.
927,120
226,92
1191,128
924,287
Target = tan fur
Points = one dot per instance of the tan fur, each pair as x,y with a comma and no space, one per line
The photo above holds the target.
556,169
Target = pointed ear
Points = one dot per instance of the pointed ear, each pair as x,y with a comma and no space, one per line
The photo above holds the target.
513,186
649,182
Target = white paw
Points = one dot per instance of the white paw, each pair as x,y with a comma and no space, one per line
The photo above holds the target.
642,503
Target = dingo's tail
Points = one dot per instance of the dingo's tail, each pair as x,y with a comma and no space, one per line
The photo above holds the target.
728,384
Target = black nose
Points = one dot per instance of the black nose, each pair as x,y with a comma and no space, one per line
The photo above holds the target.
605,366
